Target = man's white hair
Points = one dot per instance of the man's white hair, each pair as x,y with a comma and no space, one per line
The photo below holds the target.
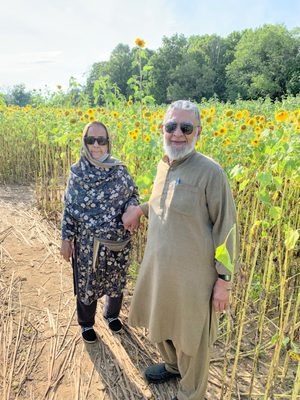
185,105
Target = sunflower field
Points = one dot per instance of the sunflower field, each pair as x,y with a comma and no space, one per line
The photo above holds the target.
257,143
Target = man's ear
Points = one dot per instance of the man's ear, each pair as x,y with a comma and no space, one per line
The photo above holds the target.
199,131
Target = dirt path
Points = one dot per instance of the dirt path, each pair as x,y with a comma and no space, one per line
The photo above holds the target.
42,353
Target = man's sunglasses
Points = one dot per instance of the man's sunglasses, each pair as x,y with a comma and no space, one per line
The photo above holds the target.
186,127
101,140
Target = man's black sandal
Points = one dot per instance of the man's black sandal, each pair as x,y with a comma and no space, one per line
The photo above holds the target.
157,373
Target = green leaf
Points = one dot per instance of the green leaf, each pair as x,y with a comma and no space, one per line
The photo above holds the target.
264,197
147,67
274,338
278,182
222,255
243,184
237,172
291,238
265,178
275,213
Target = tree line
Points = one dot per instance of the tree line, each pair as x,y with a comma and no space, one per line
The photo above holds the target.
250,64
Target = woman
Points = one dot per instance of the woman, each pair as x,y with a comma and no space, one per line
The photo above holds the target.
99,191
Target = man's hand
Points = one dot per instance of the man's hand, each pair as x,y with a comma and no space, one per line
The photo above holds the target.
66,249
221,295
131,218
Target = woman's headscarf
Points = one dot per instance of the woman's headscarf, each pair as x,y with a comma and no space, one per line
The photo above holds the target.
105,161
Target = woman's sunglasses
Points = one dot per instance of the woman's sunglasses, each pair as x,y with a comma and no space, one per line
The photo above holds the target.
101,140
186,127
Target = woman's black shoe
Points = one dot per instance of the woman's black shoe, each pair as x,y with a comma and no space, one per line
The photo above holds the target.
88,334
114,324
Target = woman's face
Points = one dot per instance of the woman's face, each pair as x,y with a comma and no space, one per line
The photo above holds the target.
97,150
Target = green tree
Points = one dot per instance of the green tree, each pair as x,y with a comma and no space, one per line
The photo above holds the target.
98,70
18,96
211,50
119,67
265,64
164,63
192,79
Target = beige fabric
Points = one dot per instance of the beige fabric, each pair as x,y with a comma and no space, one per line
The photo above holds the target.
110,244
191,211
193,369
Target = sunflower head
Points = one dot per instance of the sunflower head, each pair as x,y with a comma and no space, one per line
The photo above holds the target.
140,43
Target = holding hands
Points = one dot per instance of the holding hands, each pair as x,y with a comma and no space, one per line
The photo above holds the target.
131,218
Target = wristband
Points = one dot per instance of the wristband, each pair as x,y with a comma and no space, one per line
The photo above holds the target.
226,278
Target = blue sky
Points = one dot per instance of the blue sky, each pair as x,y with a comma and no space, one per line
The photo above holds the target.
47,42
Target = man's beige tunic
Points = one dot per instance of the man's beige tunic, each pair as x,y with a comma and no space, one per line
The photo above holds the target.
191,211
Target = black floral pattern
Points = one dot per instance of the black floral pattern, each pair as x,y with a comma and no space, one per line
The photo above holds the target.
95,200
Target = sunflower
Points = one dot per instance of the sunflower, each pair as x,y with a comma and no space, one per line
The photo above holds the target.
222,131
257,130
134,136
281,116
140,42
228,113
238,115
255,142
262,119
246,113
229,125
270,126
147,138
209,119
226,142
251,121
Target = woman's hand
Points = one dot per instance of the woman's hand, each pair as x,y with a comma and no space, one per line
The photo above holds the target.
131,218
66,249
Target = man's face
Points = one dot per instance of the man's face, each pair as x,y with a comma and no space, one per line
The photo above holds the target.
178,143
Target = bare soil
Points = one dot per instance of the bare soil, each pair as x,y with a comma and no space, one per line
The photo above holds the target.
42,354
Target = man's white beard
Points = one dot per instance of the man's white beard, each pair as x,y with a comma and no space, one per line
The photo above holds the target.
177,153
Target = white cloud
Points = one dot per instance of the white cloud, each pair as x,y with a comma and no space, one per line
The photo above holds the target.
27,61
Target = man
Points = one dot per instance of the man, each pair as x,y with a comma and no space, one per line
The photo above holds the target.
181,286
